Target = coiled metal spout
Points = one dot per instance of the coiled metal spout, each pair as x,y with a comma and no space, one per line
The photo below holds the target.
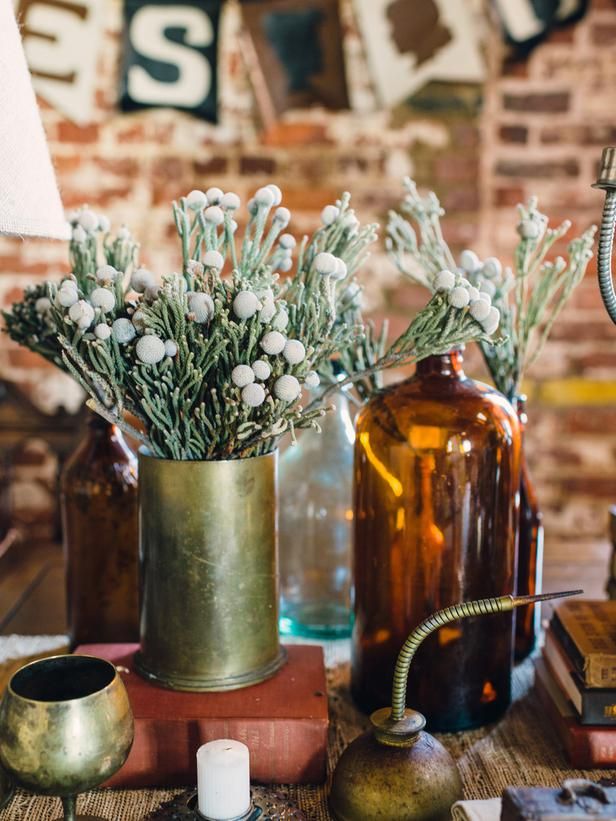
607,182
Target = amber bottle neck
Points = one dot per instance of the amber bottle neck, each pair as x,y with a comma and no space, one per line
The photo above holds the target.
449,364
520,406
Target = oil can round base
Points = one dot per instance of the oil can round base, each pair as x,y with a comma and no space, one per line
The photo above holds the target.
210,685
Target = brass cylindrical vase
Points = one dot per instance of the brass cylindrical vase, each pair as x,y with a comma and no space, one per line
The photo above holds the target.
209,572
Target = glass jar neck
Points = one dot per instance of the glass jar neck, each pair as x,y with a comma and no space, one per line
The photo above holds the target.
449,364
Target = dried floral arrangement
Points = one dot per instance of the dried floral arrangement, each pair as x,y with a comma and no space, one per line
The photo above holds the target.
212,362
527,299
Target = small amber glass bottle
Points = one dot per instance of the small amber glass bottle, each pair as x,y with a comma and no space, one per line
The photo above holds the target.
530,553
437,461
101,544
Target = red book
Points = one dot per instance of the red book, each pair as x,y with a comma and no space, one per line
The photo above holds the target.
283,721
587,747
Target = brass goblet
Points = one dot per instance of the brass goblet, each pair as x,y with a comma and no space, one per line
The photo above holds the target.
65,727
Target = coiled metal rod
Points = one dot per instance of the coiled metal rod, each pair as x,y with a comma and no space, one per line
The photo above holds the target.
604,257
481,607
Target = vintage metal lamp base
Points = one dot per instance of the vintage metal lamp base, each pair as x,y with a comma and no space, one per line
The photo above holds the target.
209,685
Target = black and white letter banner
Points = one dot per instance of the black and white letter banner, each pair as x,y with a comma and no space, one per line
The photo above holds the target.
526,22
170,56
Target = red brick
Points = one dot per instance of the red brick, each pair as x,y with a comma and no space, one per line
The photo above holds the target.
603,34
215,165
537,170
513,133
508,196
296,134
515,68
457,199
122,166
550,102
69,132
254,164
24,358
453,168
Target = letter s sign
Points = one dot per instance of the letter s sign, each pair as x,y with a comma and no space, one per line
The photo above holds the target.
170,56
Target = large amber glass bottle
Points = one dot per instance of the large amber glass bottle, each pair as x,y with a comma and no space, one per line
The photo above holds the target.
101,544
530,553
436,483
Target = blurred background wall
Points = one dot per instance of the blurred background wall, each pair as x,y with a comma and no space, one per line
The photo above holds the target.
535,126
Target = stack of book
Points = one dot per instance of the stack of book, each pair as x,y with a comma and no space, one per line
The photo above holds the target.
576,680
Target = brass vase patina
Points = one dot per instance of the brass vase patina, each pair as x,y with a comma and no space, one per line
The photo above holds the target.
396,771
209,572
65,727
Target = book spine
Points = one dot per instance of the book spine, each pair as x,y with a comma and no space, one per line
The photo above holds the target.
598,707
281,752
583,630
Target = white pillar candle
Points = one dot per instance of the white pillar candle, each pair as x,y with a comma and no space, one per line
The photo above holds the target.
223,779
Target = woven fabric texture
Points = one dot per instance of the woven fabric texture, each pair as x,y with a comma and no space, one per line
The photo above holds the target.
522,749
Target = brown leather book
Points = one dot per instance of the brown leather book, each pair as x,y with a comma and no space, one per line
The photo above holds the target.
586,746
283,721
587,631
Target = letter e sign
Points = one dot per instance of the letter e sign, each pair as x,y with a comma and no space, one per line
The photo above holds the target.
170,56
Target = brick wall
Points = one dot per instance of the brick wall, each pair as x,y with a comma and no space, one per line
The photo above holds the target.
535,127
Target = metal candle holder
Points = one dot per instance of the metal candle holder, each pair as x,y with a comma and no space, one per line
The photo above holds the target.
395,765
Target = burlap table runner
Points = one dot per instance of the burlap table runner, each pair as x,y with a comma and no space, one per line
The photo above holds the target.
522,749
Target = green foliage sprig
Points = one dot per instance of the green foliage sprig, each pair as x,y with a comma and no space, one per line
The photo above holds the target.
528,299
213,362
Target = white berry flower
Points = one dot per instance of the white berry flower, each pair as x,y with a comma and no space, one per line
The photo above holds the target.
294,351
142,279
444,281
67,297
88,220
246,304
253,395
103,298
479,310
473,294
264,197
151,292
202,306
469,261
273,342
124,233
214,215
242,375
341,270
102,331
312,379
277,193
329,214
528,229
265,294
325,264
213,259
214,195
106,273
282,216
287,388
492,268
488,288
252,206
82,314
464,283
485,297
230,201
123,330
281,320
490,323
150,349
194,267
286,264
261,369
103,224
171,347
78,234
196,200
287,241
351,223
458,297
42,305
268,311
69,282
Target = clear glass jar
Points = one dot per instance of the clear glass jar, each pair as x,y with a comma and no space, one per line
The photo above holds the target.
315,524
437,474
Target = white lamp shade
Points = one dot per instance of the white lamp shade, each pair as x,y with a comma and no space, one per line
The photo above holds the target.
30,202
